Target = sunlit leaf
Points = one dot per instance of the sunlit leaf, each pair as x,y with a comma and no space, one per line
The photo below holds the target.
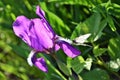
114,9
8,68
111,23
99,51
72,2
88,63
113,48
78,64
2,76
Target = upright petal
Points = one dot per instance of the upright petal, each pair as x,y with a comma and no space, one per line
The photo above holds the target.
41,64
20,27
40,36
41,14
69,49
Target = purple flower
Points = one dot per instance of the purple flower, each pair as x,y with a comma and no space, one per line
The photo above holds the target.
39,35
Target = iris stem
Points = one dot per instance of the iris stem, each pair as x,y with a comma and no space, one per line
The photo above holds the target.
56,70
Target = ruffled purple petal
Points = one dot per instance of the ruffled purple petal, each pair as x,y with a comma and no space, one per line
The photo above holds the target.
41,64
41,14
69,49
39,35
21,27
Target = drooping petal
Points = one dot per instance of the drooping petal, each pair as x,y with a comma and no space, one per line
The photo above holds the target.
20,27
69,49
38,62
39,35
41,14
41,64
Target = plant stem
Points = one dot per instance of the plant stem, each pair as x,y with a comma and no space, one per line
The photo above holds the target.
57,71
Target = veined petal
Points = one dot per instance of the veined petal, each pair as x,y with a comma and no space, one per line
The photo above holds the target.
39,35
41,14
69,49
41,64
20,27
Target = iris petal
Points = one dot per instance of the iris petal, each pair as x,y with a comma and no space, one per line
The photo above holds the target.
41,64
21,27
41,14
39,36
69,49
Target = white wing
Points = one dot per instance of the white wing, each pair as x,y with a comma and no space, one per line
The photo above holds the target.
81,39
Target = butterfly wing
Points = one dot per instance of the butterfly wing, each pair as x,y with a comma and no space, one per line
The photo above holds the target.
81,39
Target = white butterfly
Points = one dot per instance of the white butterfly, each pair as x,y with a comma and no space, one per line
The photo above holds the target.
81,40
77,41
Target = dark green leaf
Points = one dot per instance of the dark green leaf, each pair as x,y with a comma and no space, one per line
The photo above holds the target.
63,67
96,74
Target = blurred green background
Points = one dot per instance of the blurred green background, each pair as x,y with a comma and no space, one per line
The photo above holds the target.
69,19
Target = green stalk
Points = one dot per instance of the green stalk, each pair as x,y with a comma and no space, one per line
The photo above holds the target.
57,71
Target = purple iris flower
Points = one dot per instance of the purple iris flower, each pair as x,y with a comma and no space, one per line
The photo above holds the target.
39,35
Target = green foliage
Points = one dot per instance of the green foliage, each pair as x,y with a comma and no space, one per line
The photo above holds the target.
70,19
97,73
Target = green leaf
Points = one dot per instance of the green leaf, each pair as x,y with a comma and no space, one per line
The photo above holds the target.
114,48
53,69
99,51
92,25
58,24
69,60
76,32
102,25
8,68
96,74
74,2
22,50
111,23
114,9
78,64
63,67
2,76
